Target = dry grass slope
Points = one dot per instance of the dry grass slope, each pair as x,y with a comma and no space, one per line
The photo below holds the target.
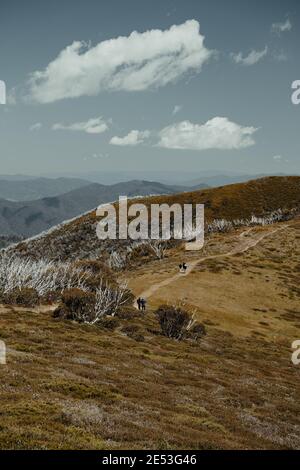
124,386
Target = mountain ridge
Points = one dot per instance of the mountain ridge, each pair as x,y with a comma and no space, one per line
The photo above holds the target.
31,189
29,218
77,239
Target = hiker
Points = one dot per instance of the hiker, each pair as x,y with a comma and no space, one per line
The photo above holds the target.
143,304
183,268
139,302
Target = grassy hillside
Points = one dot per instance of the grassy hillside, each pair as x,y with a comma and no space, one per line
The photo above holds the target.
258,197
241,200
125,386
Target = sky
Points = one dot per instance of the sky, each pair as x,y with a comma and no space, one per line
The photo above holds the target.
172,86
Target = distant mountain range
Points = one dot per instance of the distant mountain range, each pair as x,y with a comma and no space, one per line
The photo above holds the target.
28,189
32,217
30,205
223,180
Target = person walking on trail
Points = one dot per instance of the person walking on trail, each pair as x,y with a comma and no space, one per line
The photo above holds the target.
143,304
183,268
139,302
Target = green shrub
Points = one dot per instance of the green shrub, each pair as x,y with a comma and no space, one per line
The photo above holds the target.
109,323
25,297
94,266
127,312
196,332
141,251
50,297
93,281
76,304
178,324
96,272
174,321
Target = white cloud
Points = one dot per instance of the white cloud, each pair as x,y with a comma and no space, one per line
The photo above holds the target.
217,133
96,156
277,157
92,126
133,138
100,155
2,92
252,58
11,98
176,109
279,28
132,63
35,127
280,56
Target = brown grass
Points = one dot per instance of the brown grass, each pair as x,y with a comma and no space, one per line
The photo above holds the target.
70,385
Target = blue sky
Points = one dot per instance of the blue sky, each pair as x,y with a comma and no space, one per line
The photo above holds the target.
169,97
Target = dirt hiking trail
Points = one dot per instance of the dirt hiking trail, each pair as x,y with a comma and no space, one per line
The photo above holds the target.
244,245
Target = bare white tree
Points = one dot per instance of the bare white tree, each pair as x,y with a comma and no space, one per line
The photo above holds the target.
223,225
158,247
42,275
117,260
109,300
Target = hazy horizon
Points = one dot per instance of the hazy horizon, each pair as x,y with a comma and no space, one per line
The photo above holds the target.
175,178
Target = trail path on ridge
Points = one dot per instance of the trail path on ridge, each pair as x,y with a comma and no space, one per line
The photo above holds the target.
242,247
